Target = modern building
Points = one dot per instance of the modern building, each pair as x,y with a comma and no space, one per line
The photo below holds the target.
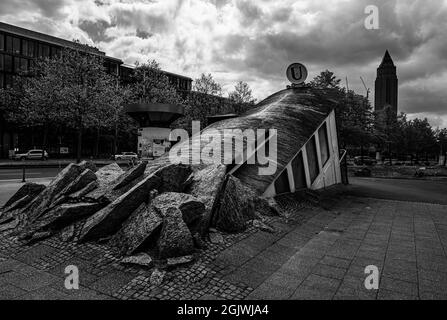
18,49
386,85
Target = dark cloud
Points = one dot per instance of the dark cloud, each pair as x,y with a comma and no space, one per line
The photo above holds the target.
96,30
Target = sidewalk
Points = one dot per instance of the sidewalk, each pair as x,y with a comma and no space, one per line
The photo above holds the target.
319,255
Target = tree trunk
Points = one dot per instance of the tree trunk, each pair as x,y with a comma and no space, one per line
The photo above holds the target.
97,142
79,148
44,140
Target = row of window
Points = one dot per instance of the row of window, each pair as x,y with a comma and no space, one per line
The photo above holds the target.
282,184
9,63
25,47
6,80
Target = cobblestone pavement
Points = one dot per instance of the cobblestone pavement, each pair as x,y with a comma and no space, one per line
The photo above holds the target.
314,253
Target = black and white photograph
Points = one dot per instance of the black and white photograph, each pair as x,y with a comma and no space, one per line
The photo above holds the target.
227,156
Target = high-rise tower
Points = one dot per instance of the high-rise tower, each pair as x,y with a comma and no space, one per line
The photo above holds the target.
386,85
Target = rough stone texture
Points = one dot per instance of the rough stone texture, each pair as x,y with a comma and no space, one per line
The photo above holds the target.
173,177
142,259
139,230
30,189
108,220
192,209
262,226
175,238
157,277
85,178
236,207
84,191
171,262
44,199
108,174
110,189
205,186
6,212
266,206
88,165
67,233
61,216
130,175
216,238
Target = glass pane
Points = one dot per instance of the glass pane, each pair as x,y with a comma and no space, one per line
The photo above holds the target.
282,183
25,47
8,80
46,51
324,146
23,64
2,42
39,50
2,82
16,45
299,177
30,49
8,44
8,63
312,160
16,64
2,64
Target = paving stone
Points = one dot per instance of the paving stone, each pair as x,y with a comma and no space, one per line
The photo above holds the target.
10,292
335,262
396,285
329,271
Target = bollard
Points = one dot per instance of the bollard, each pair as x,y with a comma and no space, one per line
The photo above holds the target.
23,174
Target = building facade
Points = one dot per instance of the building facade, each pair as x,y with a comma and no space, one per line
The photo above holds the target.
386,85
19,48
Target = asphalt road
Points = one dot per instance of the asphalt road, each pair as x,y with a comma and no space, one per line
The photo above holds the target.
30,173
432,191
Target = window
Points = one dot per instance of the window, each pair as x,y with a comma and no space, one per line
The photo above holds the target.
8,44
39,50
25,47
2,42
2,82
8,80
30,49
324,145
16,64
45,50
24,64
312,159
299,177
16,45
8,63
2,63
282,183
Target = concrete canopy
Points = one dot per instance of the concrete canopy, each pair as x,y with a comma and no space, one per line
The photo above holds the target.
154,114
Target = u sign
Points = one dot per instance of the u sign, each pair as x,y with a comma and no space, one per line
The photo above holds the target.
296,73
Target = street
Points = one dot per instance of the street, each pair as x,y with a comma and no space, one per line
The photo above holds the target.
12,175
430,191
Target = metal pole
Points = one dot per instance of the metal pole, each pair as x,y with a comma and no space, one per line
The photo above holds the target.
23,174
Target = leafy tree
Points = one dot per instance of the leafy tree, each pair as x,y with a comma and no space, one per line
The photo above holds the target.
441,139
326,79
386,130
242,94
206,84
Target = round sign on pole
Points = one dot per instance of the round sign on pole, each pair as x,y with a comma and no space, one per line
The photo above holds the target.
296,73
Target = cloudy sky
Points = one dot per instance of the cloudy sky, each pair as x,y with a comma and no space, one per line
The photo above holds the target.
254,41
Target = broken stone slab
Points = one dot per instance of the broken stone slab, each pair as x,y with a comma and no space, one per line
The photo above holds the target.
142,259
86,177
206,186
68,233
262,226
108,174
216,238
130,175
86,164
11,224
173,177
59,217
236,207
175,238
139,231
29,189
171,262
108,220
44,199
22,202
157,277
110,191
84,191
192,209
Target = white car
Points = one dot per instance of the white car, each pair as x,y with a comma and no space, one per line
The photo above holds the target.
126,156
35,154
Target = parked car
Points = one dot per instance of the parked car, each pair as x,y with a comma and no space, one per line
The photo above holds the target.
34,154
365,161
126,156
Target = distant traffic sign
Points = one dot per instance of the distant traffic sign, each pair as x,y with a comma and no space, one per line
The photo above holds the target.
296,73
